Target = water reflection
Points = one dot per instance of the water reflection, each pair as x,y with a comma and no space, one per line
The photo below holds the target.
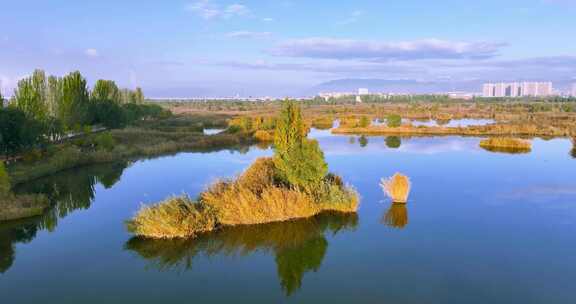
396,216
393,142
573,151
363,141
67,192
298,246
506,150
11,233
72,190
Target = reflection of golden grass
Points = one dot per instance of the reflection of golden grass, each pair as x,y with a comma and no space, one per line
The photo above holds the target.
397,187
506,143
253,198
396,216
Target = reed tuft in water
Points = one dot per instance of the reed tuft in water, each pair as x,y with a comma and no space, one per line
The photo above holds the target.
397,187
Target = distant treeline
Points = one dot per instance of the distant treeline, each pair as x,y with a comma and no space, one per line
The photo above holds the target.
48,109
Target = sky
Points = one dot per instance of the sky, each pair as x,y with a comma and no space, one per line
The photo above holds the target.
288,48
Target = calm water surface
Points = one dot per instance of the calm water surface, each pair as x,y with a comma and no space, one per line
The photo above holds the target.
480,227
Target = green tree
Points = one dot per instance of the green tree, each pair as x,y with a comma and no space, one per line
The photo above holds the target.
4,180
299,161
74,104
53,94
127,96
29,97
106,90
18,131
139,96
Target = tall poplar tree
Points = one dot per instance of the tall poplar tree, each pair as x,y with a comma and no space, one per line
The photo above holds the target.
53,94
74,103
29,99
298,160
105,90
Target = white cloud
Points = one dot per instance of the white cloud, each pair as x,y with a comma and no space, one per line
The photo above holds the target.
383,50
91,53
249,35
268,19
353,18
237,9
208,10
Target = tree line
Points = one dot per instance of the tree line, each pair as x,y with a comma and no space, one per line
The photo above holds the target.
46,109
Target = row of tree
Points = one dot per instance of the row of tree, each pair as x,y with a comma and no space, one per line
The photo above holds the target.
46,109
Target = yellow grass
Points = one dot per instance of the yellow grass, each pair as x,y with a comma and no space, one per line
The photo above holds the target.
264,136
252,198
174,217
397,187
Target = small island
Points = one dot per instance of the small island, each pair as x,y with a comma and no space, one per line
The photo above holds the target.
292,184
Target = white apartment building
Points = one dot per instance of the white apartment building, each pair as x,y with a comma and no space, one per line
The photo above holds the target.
518,89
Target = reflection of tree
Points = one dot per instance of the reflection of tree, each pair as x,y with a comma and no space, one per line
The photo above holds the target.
363,141
67,191
72,190
21,231
298,246
396,216
294,262
573,151
393,142
352,140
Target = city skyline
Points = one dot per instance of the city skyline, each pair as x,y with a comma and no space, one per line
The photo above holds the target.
279,48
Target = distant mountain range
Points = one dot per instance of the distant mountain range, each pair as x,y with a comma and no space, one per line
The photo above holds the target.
395,86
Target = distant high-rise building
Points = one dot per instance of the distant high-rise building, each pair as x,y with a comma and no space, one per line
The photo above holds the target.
515,89
573,91
363,91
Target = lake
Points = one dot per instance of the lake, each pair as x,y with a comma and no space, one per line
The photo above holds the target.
479,227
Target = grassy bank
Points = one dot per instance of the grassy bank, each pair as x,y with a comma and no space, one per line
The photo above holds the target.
527,130
14,207
255,197
158,138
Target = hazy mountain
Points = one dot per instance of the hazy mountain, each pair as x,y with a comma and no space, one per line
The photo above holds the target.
395,86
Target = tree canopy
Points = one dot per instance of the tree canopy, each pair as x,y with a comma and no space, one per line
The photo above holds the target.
298,160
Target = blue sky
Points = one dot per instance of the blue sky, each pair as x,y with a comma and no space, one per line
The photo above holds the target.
221,47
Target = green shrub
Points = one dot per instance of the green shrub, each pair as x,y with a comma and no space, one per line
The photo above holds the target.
4,180
105,141
364,122
393,120
32,156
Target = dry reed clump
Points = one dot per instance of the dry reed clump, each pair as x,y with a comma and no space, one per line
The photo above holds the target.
174,217
397,187
256,198
506,143
253,198
264,136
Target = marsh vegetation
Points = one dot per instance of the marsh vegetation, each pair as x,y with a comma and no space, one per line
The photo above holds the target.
397,187
293,184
